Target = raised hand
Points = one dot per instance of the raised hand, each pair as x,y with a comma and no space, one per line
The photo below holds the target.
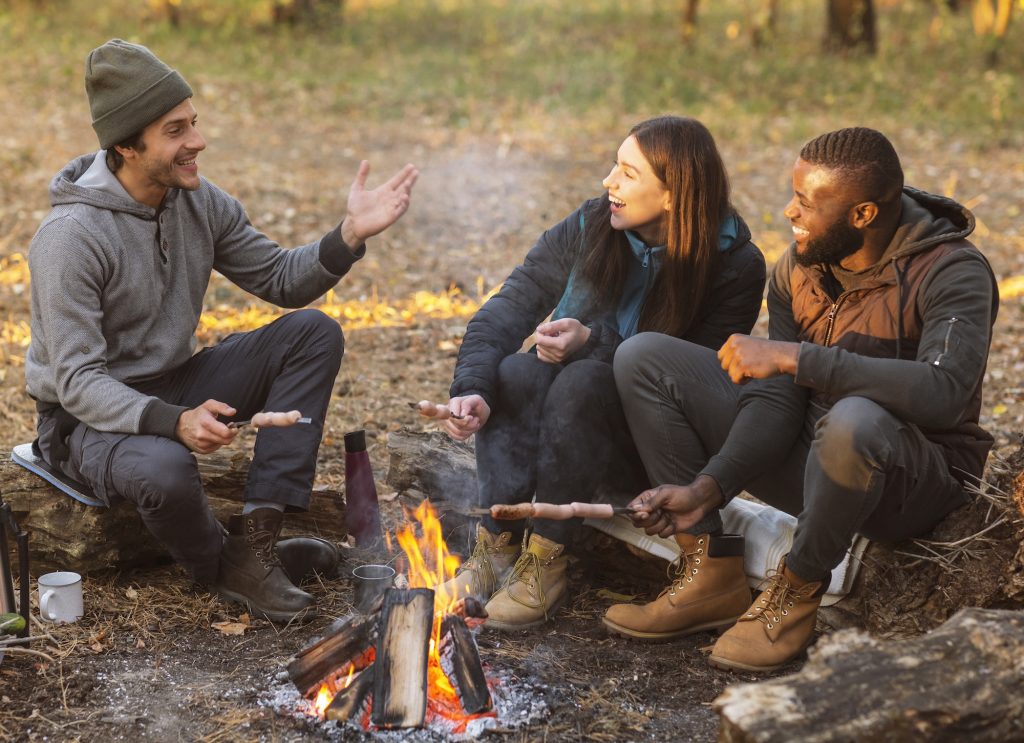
372,212
559,339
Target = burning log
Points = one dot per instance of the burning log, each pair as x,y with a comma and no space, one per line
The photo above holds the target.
312,664
348,702
461,662
400,676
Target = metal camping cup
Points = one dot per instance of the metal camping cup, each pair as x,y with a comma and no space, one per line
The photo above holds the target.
371,581
60,596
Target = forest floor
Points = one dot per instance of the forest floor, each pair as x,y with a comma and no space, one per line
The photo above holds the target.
145,663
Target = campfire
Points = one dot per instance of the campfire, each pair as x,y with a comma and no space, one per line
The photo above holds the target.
410,661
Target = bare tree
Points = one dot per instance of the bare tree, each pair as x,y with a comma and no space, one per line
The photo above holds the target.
992,18
306,12
689,26
850,25
762,30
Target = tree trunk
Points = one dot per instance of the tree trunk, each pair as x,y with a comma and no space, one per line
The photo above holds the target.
64,534
762,30
689,26
850,25
960,682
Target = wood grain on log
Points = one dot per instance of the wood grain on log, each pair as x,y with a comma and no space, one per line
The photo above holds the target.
65,534
962,681
400,669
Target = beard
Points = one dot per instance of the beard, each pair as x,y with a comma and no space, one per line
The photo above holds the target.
840,241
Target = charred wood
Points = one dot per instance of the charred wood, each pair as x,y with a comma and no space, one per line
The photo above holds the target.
346,645
400,675
961,681
460,659
348,702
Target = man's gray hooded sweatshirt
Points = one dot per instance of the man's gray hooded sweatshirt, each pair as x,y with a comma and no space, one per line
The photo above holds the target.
117,289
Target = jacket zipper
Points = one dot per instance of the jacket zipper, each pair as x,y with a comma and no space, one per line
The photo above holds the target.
647,287
945,345
832,319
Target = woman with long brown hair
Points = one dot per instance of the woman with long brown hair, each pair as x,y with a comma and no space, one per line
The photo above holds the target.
663,251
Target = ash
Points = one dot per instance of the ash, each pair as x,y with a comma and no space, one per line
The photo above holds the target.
517,703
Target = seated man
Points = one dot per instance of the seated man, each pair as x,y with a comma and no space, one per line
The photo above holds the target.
119,270
859,414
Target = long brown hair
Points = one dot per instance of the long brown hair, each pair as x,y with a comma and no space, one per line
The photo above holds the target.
682,153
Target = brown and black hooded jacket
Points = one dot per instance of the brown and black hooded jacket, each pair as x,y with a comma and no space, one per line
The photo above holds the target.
910,333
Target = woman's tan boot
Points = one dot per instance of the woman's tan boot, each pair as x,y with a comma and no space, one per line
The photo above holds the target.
776,628
485,570
534,590
708,591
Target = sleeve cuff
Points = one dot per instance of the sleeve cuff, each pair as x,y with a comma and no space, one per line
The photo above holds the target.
336,255
161,419
720,471
813,366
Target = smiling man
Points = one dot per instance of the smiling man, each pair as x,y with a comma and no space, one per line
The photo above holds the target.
119,272
859,413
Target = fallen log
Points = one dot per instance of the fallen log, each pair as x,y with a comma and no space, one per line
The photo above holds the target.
400,668
67,535
962,681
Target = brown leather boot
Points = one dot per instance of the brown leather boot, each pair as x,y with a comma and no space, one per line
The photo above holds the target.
708,590
534,590
485,570
251,572
301,557
777,627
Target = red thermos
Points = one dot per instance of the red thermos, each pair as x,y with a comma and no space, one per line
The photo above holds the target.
362,511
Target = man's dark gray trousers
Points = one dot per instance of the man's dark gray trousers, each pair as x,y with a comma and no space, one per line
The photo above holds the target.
855,467
290,364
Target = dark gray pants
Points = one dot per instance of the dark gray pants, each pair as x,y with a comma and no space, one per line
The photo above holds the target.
855,468
557,431
289,364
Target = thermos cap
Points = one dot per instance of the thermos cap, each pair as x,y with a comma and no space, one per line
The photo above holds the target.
355,441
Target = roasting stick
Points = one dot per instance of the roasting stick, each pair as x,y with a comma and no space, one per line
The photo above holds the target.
552,511
272,420
431,410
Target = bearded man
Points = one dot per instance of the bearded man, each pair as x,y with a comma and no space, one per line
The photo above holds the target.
858,415
119,270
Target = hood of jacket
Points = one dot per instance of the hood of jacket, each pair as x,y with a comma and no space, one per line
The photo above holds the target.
65,190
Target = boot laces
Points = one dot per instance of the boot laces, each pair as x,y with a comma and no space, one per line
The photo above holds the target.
261,542
777,598
680,571
528,570
479,561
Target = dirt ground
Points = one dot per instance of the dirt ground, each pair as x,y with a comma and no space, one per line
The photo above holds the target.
145,663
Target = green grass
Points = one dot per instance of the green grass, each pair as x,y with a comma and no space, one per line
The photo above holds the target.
469,63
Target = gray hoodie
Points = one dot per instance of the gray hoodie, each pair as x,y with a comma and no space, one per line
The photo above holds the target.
117,289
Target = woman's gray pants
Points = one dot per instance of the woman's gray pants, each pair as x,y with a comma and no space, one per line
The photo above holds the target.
855,468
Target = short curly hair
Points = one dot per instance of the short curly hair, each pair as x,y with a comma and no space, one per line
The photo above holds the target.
864,156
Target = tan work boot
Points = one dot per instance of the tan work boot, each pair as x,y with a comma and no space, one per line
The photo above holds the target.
708,591
534,590
485,570
778,626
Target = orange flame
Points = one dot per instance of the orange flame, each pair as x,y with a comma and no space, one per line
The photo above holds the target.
323,700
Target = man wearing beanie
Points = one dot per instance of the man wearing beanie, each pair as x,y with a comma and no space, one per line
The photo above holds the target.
119,270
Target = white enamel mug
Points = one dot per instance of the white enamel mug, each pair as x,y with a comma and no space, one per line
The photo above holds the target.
60,596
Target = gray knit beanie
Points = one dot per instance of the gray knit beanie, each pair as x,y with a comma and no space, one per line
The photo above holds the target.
128,89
